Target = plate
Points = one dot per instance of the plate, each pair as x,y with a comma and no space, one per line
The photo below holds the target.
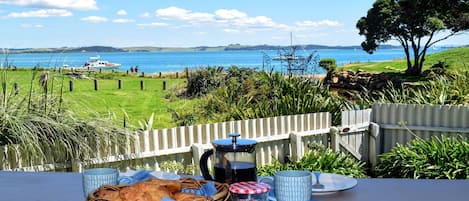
333,183
165,175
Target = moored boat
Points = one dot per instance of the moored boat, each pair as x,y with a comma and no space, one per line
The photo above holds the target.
97,63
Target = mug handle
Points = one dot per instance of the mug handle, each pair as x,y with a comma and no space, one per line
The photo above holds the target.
270,181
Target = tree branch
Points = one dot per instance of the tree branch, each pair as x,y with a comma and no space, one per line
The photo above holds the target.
444,38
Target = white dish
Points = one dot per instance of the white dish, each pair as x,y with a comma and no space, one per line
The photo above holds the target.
333,183
165,175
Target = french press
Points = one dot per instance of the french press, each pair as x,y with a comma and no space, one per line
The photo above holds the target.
234,160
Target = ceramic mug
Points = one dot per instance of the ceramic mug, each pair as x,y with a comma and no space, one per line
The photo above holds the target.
97,177
291,185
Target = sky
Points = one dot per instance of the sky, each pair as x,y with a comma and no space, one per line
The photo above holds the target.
182,23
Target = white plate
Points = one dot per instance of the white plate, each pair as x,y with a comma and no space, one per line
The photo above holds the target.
333,183
165,175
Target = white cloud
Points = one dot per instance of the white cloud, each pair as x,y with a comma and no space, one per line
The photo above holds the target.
122,21
225,14
175,13
231,30
94,19
121,12
66,4
32,25
153,24
43,13
322,23
145,15
221,17
234,21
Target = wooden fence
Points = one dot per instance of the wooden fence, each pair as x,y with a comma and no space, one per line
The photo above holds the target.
363,133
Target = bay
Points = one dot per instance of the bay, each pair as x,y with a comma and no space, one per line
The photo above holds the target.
154,62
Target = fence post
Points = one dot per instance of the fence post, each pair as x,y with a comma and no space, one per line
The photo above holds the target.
177,75
71,85
119,84
335,137
16,88
197,151
142,85
96,85
77,166
372,150
164,85
296,146
159,74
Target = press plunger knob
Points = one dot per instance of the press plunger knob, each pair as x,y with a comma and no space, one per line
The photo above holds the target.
234,136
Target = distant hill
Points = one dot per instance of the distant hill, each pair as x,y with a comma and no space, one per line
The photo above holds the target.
231,47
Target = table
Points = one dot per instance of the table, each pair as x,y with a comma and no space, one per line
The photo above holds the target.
402,190
54,186
41,186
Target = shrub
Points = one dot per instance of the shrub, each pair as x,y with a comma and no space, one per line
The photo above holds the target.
320,158
204,80
270,94
437,158
329,64
451,89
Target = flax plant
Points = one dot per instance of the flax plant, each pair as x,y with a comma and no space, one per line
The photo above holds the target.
36,126
451,89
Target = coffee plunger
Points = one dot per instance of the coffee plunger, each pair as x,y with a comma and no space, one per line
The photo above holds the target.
234,160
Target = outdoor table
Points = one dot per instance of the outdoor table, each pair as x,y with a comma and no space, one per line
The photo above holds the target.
41,186
54,186
402,190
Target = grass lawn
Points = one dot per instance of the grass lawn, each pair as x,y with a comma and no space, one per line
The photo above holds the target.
130,101
456,58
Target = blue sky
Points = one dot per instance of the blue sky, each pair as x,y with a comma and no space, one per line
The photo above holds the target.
182,23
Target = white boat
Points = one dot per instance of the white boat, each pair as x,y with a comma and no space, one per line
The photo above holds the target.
96,62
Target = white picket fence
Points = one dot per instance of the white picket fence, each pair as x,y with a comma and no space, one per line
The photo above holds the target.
187,143
363,133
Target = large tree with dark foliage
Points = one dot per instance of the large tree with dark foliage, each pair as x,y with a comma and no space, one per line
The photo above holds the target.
415,24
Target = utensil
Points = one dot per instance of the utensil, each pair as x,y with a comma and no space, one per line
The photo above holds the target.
317,185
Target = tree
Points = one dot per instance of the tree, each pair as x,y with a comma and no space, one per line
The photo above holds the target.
415,24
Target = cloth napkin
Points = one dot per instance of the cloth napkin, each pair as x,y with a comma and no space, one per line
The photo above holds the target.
207,190
140,175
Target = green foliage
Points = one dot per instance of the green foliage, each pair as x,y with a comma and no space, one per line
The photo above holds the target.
204,80
444,90
177,167
267,95
41,129
414,24
438,158
320,158
329,64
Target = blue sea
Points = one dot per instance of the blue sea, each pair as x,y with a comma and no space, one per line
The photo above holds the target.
154,62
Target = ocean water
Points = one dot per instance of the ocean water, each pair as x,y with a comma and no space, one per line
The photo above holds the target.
154,62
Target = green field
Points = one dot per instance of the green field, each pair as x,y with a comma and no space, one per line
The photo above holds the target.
457,58
138,105
130,101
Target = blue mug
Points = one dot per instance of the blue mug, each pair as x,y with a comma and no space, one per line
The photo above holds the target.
290,185
97,177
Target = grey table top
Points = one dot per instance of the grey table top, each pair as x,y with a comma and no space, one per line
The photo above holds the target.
41,186
51,186
402,190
